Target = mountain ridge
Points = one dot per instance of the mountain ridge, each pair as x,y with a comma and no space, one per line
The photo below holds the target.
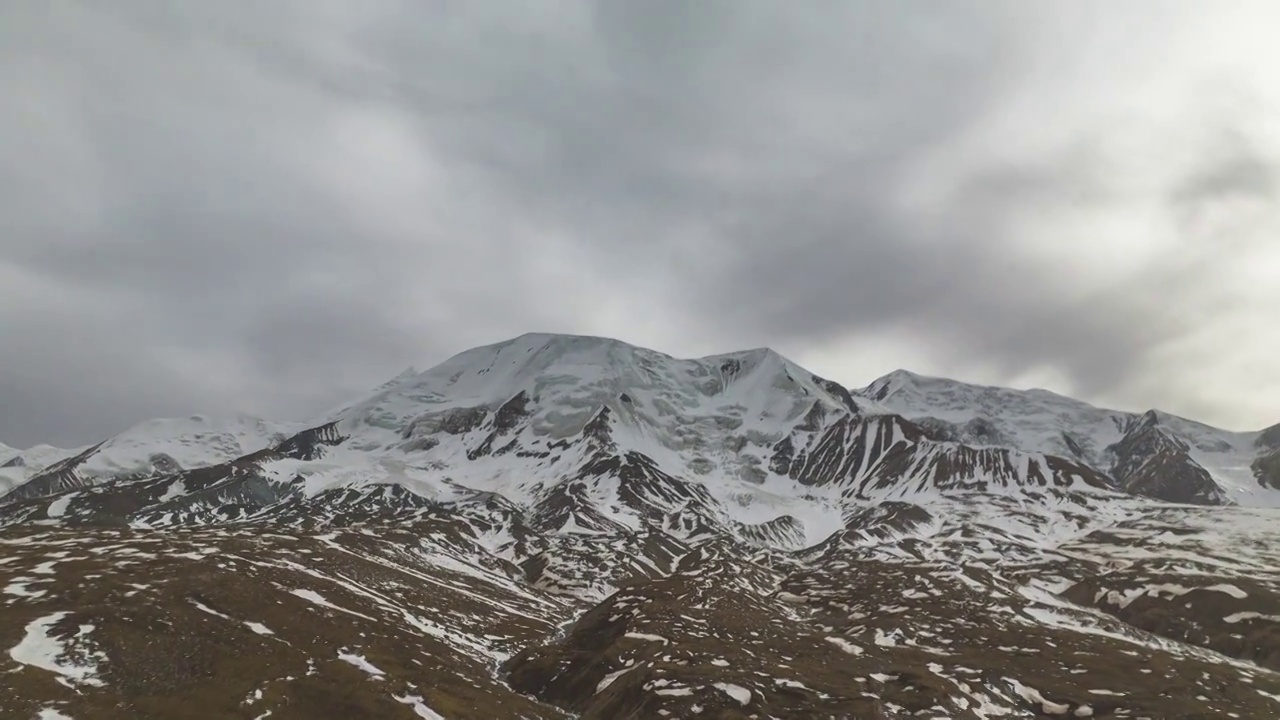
868,391
1205,463
558,526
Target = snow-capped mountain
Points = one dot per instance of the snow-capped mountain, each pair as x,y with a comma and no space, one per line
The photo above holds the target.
151,448
1153,454
19,466
577,432
522,418
559,525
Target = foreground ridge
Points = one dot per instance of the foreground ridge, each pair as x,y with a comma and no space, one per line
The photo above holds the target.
562,526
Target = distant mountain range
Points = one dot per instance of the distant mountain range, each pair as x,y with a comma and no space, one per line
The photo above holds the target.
599,488
728,423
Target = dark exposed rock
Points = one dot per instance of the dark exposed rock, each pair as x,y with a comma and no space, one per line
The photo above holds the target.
484,448
309,444
510,447
1269,438
839,391
887,519
462,420
813,419
937,430
598,427
983,431
730,369
784,454
877,452
52,480
783,531
1152,462
1267,470
162,464
512,412
1073,445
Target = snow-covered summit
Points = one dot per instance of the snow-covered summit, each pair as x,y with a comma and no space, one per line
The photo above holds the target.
1031,420
571,377
190,442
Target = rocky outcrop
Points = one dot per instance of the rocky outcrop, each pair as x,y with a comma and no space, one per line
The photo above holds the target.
880,454
57,478
1153,462
1267,470
309,444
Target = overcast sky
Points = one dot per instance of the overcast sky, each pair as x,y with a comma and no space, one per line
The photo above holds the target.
271,207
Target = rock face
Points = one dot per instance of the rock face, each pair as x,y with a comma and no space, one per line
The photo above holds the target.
1151,461
1266,468
1269,439
1154,454
562,526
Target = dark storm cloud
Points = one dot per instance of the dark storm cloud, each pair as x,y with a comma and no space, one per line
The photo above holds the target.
269,207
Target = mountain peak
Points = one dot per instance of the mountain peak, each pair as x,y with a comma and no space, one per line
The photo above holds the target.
542,342
902,375
564,342
1150,418
567,378
895,382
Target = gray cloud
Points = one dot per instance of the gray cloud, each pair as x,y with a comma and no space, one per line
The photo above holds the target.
239,207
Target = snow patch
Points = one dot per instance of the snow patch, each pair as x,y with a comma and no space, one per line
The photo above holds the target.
18,587
360,662
646,637
58,507
737,692
259,628
40,649
419,706
845,645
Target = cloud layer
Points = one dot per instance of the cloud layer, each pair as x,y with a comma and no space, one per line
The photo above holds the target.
269,208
